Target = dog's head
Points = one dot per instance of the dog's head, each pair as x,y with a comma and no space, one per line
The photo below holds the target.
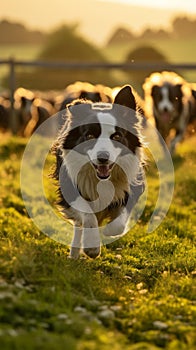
101,133
167,100
166,96
23,102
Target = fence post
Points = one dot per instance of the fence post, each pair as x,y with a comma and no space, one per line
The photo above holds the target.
12,82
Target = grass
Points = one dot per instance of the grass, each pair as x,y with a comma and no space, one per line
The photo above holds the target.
139,295
24,52
20,52
176,51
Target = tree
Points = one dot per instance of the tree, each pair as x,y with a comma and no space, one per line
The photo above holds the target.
184,27
17,33
65,44
120,36
150,34
145,54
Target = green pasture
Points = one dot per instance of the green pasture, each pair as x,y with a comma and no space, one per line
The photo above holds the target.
20,52
138,295
176,51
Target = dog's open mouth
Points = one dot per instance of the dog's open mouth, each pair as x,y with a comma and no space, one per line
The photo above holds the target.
103,171
166,117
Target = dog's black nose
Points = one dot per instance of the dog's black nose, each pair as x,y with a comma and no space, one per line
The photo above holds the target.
103,157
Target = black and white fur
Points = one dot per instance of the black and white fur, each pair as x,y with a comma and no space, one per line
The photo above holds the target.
99,144
192,119
168,100
23,100
86,91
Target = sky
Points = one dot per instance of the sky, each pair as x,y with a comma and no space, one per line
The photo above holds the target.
184,5
97,18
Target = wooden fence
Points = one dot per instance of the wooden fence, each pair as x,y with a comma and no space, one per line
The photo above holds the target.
133,66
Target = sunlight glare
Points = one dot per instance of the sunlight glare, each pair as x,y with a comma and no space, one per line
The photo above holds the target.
180,5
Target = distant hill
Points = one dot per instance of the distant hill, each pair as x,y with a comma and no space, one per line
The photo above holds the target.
120,35
182,27
17,33
159,34
65,44
145,54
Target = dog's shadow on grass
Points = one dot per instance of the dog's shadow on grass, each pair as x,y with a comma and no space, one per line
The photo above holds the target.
14,146
178,161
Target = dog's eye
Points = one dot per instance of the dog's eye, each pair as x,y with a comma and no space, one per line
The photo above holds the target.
117,136
90,136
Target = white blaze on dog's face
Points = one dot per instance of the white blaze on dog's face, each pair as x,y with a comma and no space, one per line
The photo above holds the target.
167,101
104,153
165,105
102,135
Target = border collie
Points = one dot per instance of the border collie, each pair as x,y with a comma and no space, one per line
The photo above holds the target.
168,98
23,100
40,111
192,120
99,168
86,91
5,108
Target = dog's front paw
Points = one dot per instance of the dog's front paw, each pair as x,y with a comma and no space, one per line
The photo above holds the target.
74,253
113,230
117,227
92,252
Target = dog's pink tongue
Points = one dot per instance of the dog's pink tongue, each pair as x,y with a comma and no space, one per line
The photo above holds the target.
103,171
165,116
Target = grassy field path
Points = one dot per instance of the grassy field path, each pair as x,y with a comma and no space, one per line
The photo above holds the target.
139,295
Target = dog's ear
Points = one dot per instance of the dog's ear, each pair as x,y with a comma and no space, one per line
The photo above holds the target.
79,108
126,98
178,90
194,94
155,90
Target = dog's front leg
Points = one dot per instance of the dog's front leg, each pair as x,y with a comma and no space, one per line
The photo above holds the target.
76,242
91,236
118,225
178,138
